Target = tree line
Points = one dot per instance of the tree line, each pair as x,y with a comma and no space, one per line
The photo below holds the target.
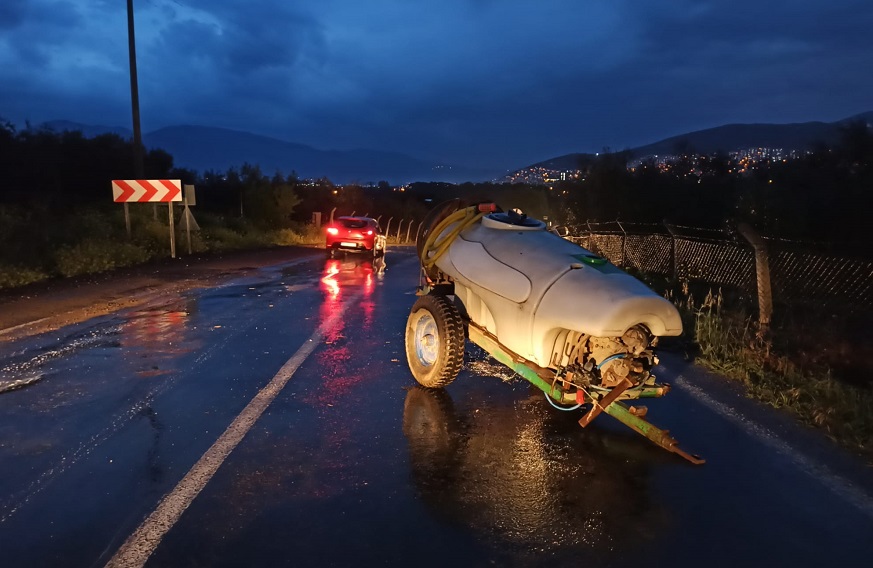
45,171
820,196
823,195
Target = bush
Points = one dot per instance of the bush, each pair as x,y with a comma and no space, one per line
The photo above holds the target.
91,223
12,276
198,243
223,239
92,255
308,235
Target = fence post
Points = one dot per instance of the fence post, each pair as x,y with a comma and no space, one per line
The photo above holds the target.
623,244
674,265
388,228
588,239
408,230
399,228
418,231
762,270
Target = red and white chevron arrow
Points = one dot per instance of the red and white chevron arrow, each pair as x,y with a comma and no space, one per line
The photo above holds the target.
146,190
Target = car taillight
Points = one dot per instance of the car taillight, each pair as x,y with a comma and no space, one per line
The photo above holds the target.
370,232
333,231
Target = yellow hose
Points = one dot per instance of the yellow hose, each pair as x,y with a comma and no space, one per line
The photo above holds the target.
433,249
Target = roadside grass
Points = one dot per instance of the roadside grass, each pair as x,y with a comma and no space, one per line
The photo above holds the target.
12,276
39,245
93,255
774,371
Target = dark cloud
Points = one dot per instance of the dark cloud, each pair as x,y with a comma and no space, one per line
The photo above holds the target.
12,13
51,16
470,81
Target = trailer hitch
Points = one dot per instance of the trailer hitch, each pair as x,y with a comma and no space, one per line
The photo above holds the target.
601,400
633,418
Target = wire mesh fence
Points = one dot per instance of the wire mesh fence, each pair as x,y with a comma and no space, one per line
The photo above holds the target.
801,273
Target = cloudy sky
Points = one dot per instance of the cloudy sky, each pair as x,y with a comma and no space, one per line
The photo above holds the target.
496,83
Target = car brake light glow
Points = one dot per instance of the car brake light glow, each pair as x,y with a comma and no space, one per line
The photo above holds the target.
333,230
370,232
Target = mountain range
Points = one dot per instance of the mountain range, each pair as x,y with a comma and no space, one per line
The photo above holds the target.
204,148
730,137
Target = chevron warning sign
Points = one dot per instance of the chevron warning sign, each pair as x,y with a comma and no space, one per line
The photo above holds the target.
146,190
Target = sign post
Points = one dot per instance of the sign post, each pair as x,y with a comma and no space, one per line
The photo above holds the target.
172,232
189,200
149,191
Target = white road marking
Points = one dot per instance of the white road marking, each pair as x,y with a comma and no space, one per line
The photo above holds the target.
140,545
843,488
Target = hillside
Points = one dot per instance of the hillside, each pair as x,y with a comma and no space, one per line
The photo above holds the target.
801,136
204,148
730,137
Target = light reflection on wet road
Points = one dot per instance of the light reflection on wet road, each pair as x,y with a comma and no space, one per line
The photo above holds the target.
352,465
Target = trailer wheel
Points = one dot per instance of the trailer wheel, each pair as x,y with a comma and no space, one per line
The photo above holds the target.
434,341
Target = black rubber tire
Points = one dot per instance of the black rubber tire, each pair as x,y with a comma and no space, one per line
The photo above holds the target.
438,364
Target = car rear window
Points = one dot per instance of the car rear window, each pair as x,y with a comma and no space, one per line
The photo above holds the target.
353,223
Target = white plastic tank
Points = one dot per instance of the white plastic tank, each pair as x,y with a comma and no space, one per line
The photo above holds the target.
526,285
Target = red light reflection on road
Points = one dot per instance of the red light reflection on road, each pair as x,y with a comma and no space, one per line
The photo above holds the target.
340,274
329,281
341,374
352,275
160,335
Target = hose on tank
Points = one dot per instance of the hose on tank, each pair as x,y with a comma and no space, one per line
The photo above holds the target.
610,358
564,408
435,246
602,363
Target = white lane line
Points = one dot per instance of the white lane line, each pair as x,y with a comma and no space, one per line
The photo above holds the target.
843,488
140,545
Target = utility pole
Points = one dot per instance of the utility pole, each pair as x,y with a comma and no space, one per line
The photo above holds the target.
138,168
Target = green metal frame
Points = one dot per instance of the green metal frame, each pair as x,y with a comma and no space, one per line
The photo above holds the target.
614,407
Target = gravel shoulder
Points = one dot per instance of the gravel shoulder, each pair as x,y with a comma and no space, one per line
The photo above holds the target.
46,306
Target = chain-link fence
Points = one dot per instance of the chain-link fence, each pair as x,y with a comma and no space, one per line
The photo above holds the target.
800,273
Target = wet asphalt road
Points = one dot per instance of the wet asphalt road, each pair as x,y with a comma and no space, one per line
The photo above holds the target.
351,465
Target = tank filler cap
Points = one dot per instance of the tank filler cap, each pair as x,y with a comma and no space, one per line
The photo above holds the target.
514,220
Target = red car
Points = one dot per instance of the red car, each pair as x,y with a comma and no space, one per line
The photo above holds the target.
357,234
